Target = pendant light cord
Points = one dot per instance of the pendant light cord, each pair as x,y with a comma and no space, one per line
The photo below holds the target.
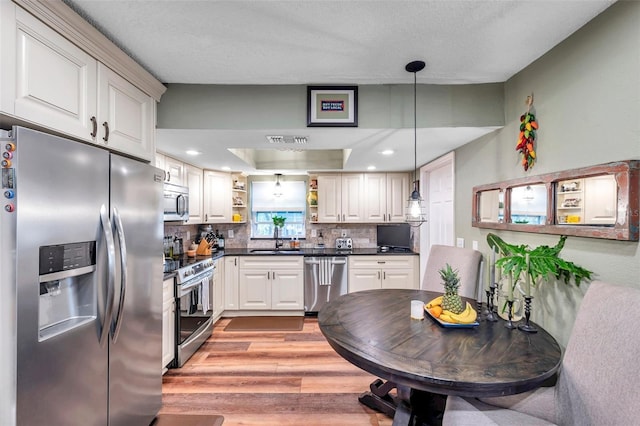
415,129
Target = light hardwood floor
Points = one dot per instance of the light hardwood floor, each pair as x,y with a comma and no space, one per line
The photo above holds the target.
273,378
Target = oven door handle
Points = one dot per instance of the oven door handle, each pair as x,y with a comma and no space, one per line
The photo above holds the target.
186,287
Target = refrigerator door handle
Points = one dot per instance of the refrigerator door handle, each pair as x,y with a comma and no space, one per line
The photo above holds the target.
111,267
123,272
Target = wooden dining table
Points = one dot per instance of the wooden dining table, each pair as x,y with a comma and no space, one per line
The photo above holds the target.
374,330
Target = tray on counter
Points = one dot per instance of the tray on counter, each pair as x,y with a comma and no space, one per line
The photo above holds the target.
451,324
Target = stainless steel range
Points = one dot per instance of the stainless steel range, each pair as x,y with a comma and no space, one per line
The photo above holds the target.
193,307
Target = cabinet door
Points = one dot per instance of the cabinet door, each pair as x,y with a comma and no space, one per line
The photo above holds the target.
168,332
217,291
287,289
254,289
329,198
175,171
375,197
231,283
399,278
45,78
126,116
193,179
168,322
352,198
217,197
364,279
397,195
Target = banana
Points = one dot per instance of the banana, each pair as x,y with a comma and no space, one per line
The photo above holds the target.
445,317
435,302
468,316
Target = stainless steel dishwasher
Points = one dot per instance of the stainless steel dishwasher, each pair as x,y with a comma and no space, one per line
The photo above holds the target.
325,278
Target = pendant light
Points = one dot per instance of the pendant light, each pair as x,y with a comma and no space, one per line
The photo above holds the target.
415,211
277,189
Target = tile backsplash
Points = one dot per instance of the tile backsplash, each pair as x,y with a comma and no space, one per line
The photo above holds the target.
363,235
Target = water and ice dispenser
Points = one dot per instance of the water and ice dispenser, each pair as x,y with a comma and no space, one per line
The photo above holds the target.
67,287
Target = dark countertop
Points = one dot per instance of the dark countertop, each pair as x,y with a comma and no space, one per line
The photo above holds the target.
309,252
184,260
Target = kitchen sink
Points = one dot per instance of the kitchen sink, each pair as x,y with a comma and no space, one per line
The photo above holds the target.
272,251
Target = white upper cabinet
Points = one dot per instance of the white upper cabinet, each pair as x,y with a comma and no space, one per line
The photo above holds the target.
174,170
217,197
193,179
48,81
126,116
397,195
341,198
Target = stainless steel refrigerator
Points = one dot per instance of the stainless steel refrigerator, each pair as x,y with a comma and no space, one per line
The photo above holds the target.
81,284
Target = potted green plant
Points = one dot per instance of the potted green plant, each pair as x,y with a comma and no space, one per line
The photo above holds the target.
544,261
521,262
278,224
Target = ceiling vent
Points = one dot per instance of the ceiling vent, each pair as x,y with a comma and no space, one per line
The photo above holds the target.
300,140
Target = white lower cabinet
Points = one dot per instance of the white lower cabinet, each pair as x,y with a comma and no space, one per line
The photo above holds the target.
168,322
373,272
231,267
271,283
217,290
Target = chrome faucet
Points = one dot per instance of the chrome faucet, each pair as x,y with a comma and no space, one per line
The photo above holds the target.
277,237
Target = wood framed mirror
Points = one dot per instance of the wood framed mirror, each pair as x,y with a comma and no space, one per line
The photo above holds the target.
598,201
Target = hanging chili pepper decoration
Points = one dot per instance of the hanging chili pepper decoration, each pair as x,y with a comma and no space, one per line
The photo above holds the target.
527,140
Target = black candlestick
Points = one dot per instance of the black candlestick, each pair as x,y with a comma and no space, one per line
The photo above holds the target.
510,323
527,313
491,313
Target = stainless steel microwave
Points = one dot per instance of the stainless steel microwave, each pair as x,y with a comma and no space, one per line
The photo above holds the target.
176,202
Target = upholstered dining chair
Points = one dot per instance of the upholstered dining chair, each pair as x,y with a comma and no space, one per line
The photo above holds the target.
598,380
466,261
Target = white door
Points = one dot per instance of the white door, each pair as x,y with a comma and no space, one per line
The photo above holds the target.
375,197
217,197
437,178
46,79
193,179
352,198
329,198
287,291
126,116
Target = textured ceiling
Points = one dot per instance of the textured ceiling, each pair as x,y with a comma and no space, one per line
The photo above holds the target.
336,42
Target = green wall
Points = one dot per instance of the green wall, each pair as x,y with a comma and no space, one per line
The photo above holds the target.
190,106
587,101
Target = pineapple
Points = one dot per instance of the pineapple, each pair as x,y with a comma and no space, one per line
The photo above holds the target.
451,301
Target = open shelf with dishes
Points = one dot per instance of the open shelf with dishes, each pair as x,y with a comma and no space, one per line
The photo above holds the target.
239,197
570,206
312,198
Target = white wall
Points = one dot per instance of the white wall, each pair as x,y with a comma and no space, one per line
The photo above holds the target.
587,102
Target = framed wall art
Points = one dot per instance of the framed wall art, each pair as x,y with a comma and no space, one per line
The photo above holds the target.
332,106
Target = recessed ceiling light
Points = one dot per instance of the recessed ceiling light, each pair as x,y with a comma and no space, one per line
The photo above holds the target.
371,167
387,152
193,152
226,168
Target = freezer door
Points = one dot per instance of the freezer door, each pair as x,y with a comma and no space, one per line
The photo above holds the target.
60,187
135,373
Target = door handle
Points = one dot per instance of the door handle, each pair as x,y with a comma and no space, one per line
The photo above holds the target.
123,272
111,266
378,274
106,131
94,126
168,172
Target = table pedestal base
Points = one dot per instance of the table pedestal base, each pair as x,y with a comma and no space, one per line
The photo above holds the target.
409,407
